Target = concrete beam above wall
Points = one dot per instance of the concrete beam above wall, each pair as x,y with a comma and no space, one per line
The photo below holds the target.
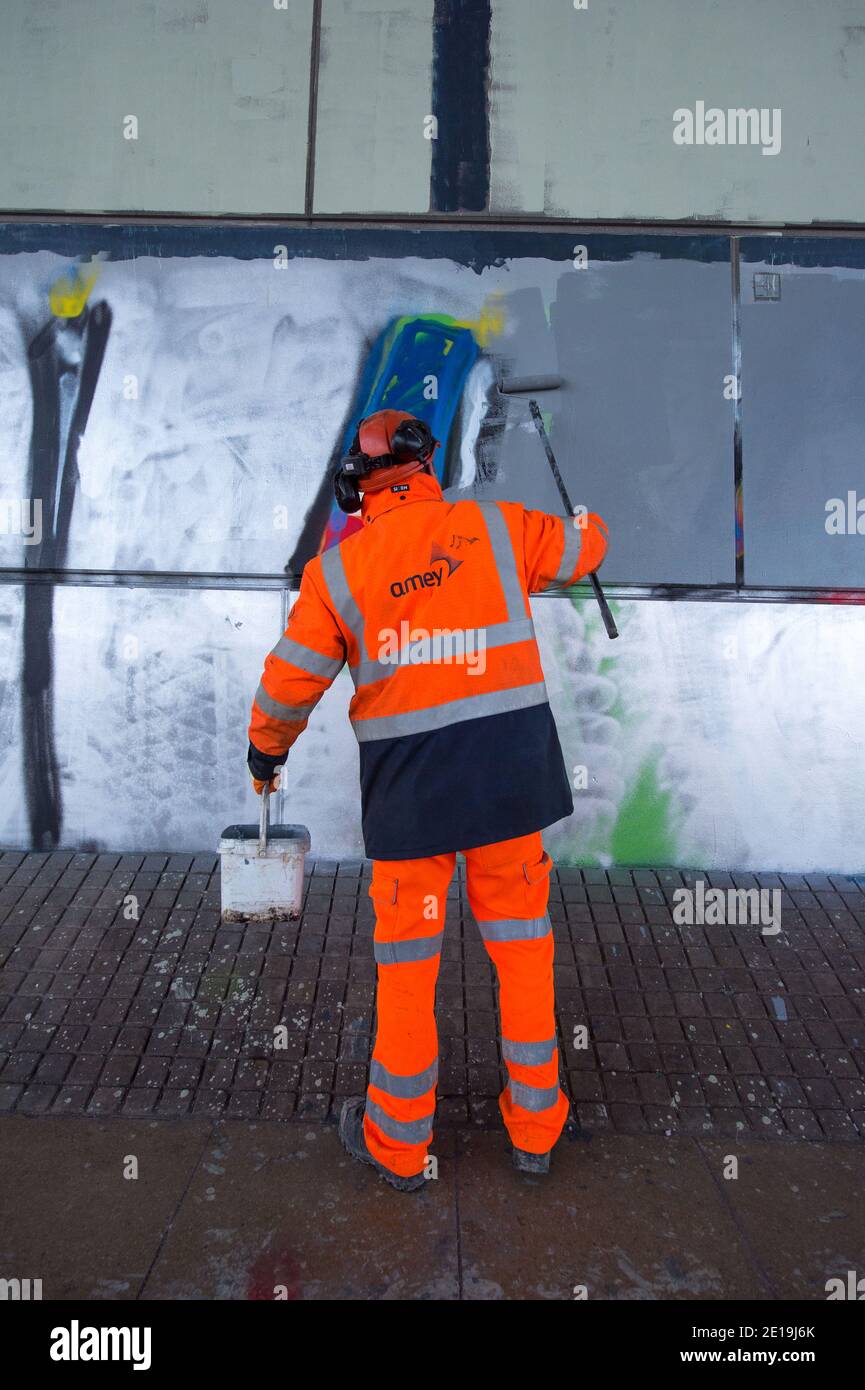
374,97
219,91
552,110
582,102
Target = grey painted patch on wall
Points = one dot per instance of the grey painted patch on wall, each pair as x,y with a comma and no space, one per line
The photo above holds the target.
803,426
642,429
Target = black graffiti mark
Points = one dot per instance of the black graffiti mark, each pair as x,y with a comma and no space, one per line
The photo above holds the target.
64,360
318,513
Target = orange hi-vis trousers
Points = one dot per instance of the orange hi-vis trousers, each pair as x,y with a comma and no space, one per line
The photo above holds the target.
508,890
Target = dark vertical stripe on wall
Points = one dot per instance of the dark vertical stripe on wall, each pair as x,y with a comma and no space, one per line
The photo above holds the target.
65,357
460,179
312,117
738,494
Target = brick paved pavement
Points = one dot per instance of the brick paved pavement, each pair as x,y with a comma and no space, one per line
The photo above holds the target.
705,1031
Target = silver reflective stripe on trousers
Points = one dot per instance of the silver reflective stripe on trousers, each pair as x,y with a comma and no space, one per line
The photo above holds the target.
515,929
275,710
422,721
528,1054
398,952
371,669
312,662
533,1097
403,1087
407,1131
571,553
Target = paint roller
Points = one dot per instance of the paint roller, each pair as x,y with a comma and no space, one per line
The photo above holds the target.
528,386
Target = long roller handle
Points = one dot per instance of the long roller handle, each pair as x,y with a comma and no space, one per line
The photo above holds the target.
609,620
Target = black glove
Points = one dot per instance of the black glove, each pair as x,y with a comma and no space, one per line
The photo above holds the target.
263,766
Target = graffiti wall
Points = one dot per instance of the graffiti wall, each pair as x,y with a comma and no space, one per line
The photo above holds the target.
174,399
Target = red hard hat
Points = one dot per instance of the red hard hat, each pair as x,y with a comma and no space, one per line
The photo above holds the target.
377,431
389,445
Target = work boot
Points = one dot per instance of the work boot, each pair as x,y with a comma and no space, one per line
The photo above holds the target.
536,1164
354,1142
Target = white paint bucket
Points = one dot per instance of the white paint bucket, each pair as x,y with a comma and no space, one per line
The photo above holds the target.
262,870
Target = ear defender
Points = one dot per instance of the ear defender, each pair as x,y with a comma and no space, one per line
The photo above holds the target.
412,441
346,492
352,465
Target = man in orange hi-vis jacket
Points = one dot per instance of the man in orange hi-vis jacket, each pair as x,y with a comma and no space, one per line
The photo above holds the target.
428,603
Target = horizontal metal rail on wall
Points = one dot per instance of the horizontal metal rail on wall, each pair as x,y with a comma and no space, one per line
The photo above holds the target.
681,593
475,221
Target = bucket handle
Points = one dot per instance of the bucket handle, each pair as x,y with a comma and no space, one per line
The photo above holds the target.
262,824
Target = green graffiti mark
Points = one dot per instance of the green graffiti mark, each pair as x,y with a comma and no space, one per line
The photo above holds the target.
645,828
645,831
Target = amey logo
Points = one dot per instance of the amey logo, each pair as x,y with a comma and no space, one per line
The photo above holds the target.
442,566
77,1343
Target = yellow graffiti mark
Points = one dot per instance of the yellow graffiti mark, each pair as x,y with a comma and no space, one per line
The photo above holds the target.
490,322
69,294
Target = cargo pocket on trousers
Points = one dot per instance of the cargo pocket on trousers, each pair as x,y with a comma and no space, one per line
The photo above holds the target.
537,885
384,892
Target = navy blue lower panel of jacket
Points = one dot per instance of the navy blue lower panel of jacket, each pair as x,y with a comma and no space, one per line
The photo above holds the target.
472,783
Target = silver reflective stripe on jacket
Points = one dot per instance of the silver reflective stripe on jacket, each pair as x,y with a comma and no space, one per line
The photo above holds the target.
515,929
275,710
407,1131
416,948
403,1087
517,628
341,596
314,663
503,553
571,553
371,668
422,721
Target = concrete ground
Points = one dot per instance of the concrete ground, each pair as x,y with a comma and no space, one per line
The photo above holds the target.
154,1143
263,1210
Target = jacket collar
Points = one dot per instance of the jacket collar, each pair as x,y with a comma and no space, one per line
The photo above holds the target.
420,487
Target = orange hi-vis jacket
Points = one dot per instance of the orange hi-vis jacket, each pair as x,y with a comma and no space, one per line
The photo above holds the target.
429,605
